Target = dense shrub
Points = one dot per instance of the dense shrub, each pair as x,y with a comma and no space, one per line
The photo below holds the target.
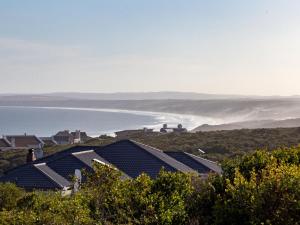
258,188
138,201
9,196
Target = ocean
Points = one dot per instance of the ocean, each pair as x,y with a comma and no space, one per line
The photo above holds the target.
46,121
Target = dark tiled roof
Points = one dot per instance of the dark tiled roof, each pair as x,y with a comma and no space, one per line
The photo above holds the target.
61,181
88,156
164,157
197,163
186,159
61,154
29,177
213,166
67,165
132,159
63,133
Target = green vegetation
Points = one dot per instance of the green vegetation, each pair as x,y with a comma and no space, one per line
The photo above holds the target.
257,188
219,145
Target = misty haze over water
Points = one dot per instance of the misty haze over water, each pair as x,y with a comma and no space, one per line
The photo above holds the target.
98,114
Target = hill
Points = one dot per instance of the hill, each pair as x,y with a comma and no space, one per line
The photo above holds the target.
254,124
125,96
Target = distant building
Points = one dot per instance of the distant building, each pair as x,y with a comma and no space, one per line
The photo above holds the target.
63,137
79,137
66,137
127,133
23,141
179,129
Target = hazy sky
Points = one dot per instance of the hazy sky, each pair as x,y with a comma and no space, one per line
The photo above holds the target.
217,46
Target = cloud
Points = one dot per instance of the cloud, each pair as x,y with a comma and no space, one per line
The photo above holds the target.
74,66
27,66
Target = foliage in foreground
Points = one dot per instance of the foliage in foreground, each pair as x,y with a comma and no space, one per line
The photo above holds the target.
260,188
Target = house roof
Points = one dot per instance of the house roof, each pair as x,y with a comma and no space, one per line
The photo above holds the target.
4,143
30,177
48,140
213,166
197,163
132,158
61,181
88,157
63,133
166,158
24,140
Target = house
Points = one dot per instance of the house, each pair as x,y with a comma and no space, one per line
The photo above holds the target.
127,133
79,137
22,142
63,137
66,137
4,144
179,129
131,158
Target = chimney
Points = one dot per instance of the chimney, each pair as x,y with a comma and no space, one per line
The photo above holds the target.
39,153
30,156
78,178
13,142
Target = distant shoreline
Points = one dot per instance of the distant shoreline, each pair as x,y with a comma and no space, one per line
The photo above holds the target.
188,121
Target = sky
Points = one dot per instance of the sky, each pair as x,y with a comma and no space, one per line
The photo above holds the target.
224,47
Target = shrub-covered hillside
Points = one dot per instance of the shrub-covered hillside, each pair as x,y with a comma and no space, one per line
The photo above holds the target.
258,188
218,145
222,144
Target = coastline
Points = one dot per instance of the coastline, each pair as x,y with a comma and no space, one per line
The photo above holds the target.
188,121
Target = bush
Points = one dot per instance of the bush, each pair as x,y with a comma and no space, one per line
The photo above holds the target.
9,196
258,188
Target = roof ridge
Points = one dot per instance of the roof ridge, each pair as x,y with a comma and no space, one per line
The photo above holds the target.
201,158
53,173
207,163
21,135
61,153
39,171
